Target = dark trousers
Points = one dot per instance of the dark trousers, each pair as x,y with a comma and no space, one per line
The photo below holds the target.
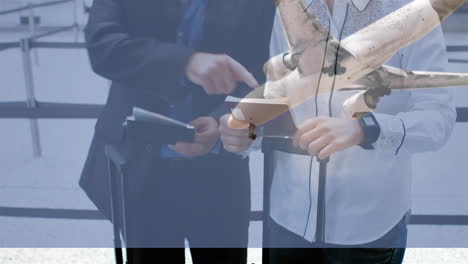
205,201
389,249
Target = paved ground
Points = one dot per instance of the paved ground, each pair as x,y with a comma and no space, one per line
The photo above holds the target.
106,256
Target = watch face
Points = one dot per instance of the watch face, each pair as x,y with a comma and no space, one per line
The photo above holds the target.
371,130
368,121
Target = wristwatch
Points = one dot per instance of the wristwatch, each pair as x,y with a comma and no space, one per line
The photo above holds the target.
371,129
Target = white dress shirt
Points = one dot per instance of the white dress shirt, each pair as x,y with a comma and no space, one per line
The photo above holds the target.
367,191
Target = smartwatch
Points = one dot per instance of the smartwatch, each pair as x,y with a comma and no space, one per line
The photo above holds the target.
371,129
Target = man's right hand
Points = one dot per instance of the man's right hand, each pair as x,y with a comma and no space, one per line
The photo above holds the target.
217,73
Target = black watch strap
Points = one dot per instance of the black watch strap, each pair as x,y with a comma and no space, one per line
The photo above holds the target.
371,129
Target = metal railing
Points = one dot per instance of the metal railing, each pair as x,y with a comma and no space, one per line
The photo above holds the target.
30,6
9,45
26,45
457,48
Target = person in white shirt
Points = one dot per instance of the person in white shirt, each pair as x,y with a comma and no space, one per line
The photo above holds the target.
368,189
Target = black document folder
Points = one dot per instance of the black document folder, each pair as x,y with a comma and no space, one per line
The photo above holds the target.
146,126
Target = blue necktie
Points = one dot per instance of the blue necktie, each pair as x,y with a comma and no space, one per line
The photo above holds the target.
189,34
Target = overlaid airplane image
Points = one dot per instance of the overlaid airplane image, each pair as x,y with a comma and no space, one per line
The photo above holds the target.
317,63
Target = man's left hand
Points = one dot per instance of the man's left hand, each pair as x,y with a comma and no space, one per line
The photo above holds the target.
234,140
323,136
206,136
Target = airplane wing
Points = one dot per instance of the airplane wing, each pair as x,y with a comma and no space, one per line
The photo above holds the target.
300,25
308,40
388,77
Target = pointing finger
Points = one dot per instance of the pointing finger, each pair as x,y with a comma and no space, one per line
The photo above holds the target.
241,74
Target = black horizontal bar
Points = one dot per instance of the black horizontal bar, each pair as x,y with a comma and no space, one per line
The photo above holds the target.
74,213
254,215
438,220
457,48
45,4
52,213
49,110
8,45
462,114
69,110
57,45
45,44
457,61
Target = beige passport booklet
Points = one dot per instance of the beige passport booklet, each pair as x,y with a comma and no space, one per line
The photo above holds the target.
259,112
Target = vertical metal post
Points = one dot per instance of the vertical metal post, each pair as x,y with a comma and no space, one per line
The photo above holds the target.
321,204
123,190
115,212
31,98
267,179
31,22
32,28
75,19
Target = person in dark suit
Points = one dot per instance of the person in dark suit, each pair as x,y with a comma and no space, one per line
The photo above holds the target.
179,58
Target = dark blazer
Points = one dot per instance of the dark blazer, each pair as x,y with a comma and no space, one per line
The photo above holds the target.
132,43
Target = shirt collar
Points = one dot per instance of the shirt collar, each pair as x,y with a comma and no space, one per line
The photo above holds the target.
361,5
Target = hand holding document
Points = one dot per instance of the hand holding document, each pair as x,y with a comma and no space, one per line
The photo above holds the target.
255,114
154,127
234,140
206,136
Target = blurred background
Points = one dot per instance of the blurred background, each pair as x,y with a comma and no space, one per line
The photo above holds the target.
49,99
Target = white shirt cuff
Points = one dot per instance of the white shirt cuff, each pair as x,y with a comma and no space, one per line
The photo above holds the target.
392,133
